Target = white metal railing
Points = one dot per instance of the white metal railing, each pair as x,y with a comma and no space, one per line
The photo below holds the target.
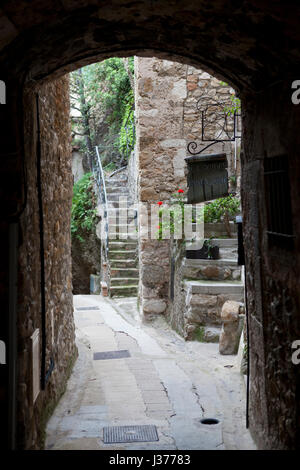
99,176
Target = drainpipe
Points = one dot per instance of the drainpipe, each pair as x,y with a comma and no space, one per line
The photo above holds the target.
241,262
42,254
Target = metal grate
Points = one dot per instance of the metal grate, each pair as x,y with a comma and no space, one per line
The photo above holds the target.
99,356
87,308
278,201
114,434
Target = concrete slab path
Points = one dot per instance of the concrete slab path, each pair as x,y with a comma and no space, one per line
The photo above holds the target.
165,382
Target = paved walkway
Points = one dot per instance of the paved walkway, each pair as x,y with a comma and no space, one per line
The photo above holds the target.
165,382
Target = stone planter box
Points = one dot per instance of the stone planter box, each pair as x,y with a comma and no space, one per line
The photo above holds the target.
218,230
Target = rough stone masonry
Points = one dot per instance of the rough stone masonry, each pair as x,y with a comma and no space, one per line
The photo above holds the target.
56,177
167,119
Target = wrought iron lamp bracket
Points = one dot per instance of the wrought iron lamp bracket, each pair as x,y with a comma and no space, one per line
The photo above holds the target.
193,146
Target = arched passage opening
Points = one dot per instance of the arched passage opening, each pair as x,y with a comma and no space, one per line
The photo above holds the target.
255,47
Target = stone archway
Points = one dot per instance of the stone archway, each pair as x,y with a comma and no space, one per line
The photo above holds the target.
254,46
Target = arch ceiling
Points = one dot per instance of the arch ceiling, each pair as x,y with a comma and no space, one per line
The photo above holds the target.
250,43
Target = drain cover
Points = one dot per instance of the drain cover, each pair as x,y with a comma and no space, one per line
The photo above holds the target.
98,356
210,421
113,434
87,308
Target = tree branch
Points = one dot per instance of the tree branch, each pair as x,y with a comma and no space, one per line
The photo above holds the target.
75,107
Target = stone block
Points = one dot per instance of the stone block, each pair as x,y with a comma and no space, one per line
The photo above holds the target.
155,306
230,336
211,272
153,275
230,311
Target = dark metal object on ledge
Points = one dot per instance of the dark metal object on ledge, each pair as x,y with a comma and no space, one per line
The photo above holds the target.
206,252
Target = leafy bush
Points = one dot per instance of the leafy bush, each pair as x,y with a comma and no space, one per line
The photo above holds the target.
216,210
83,216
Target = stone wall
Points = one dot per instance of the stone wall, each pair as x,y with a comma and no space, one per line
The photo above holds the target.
273,294
167,119
77,165
86,260
56,177
132,178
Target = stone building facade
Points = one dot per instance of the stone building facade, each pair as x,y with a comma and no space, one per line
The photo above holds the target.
168,96
56,189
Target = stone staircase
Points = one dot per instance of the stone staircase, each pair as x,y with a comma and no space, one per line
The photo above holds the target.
208,284
123,240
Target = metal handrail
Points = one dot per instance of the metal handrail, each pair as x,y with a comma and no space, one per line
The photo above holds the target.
102,190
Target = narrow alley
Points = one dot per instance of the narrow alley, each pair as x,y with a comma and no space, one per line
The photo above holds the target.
148,377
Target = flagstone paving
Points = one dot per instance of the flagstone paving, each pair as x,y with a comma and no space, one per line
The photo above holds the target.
165,382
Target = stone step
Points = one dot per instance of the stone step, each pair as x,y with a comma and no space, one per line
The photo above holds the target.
114,183
214,287
122,228
124,272
119,189
116,214
124,291
113,236
130,210
122,244
116,178
123,263
116,196
122,281
122,254
113,204
194,263
121,219
218,270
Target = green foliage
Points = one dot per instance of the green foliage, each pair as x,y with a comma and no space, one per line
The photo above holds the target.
216,210
83,215
107,83
111,166
126,140
234,107
199,334
109,101
236,103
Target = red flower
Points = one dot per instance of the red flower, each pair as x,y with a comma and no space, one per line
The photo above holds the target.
158,226
180,191
159,203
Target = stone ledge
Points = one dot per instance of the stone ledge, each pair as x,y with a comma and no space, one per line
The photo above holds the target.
198,263
214,287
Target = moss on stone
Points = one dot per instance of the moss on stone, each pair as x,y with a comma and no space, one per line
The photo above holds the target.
199,334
